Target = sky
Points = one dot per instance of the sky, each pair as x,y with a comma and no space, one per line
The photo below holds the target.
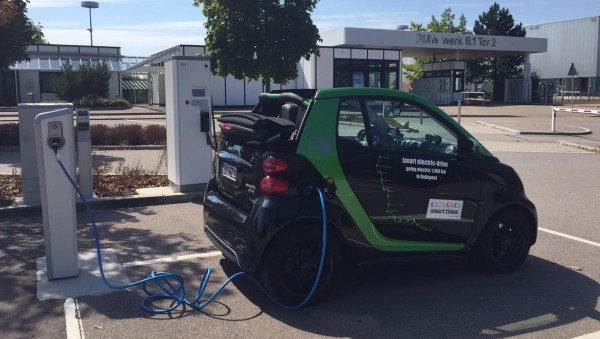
145,27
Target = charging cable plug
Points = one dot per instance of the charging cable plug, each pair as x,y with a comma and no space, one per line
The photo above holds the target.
329,188
56,143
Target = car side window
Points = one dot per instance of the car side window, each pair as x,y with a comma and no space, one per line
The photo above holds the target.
398,125
351,124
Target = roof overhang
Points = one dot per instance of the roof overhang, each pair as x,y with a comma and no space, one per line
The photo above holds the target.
438,45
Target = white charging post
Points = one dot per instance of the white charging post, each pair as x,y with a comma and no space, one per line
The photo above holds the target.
84,152
188,113
54,129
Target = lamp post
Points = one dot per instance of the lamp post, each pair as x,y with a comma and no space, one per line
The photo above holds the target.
89,5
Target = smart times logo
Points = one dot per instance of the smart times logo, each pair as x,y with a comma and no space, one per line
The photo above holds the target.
444,209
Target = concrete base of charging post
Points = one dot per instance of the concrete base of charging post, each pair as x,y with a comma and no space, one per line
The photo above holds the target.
54,130
89,281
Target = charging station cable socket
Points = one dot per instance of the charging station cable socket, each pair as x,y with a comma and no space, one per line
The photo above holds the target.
56,139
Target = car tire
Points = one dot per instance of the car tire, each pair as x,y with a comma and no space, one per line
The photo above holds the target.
290,264
505,241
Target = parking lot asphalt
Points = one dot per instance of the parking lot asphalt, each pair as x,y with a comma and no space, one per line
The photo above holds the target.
556,294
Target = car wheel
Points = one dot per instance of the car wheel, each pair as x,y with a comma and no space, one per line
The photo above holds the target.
289,267
505,241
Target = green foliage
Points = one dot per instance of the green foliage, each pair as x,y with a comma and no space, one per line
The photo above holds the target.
38,36
96,101
89,80
259,38
68,83
16,33
444,25
496,21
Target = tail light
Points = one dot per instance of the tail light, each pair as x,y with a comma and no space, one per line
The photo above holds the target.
272,165
226,127
270,185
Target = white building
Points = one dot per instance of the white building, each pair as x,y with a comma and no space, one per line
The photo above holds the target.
348,57
33,80
362,58
574,42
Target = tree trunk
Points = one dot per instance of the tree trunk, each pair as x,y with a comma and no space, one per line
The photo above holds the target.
267,84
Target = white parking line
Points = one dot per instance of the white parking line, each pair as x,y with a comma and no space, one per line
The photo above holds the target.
73,320
171,259
594,335
569,237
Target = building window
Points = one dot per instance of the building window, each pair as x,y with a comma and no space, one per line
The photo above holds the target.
48,81
365,73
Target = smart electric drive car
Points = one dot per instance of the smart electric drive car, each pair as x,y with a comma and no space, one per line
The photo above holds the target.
401,177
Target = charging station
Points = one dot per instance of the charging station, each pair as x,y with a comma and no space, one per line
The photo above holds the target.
188,113
54,131
84,152
28,147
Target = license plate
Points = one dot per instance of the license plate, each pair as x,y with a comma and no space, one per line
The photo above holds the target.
229,172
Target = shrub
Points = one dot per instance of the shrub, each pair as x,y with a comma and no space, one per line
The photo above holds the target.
67,85
96,101
127,134
9,134
99,133
88,80
125,180
11,186
155,135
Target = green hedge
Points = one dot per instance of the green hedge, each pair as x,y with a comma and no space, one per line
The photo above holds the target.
95,101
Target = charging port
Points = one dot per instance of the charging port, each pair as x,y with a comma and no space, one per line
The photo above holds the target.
56,139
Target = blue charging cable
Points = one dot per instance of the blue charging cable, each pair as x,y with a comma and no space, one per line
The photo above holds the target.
172,286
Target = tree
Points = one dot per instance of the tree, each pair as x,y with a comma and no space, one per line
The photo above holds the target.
89,80
68,85
251,39
8,11
38,36
444,25
496,21
16,32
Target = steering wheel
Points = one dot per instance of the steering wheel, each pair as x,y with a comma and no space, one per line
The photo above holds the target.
396,110
362,137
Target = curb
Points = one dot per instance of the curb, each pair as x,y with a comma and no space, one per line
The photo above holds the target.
585,147
502,128
584,131
111,203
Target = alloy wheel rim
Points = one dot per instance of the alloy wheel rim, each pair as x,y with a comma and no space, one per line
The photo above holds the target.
507,242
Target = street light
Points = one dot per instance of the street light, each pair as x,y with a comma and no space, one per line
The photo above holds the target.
89,5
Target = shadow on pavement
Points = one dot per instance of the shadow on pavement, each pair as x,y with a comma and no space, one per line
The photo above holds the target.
444,299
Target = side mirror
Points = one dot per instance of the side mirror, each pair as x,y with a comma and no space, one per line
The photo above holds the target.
471,148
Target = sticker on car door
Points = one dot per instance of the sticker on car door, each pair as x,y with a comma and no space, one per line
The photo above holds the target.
444,209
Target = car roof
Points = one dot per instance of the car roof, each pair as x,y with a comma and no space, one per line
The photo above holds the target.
337,92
